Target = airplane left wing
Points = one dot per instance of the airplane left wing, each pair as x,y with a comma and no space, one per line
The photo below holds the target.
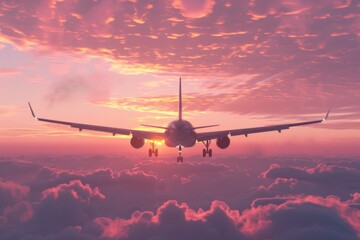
112,130
246,131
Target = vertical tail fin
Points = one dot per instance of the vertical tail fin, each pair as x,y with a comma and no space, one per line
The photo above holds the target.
180,101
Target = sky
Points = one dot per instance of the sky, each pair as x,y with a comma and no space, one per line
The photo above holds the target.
244,63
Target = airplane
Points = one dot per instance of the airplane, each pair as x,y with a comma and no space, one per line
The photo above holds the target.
180,133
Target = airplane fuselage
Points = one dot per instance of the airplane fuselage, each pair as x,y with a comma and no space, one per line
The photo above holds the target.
180,132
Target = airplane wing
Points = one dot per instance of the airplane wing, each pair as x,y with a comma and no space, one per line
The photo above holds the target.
246,131
112,130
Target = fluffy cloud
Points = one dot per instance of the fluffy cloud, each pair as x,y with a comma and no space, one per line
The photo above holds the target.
98,177
20,212
11,192
298,217
175,221
65,205
14,207
324,179
248,199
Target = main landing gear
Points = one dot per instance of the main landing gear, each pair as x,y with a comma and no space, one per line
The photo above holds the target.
207,151
180,158
153,150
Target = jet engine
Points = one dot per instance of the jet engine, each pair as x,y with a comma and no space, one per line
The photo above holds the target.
137,142
223,142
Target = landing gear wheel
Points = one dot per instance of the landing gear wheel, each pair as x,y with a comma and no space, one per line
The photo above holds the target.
207,150
180,159
150,152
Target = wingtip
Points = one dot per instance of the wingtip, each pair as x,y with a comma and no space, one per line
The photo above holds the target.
327,114
32,111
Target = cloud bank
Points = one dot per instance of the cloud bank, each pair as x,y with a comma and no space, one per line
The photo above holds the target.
230,198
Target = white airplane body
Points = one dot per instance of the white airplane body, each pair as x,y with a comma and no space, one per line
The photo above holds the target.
180,133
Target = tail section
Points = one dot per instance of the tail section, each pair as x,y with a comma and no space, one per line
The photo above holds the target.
180,101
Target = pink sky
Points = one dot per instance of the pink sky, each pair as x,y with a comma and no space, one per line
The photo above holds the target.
116,63
244,63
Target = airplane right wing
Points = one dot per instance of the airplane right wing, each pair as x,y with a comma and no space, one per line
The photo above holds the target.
112,130
246,131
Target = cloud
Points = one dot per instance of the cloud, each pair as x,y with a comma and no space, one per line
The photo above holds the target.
173,220
8,110
322,179
296,217
20,212
311,217
11,192
234,103
193,9
298,52
75,189
14,207
241,197
9,72
147,37
68,204
98,177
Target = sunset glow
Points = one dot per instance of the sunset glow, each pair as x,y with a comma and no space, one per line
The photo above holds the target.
117,63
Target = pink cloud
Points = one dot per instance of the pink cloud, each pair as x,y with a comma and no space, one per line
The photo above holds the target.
11,192
67,204
9,72
324,179
264,220
225,199
20,212
98,177
269,221
280,185
74,189
129,33
177,219
194,9
299,54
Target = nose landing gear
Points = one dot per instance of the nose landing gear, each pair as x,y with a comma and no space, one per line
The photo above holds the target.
180,158
153,150
207,151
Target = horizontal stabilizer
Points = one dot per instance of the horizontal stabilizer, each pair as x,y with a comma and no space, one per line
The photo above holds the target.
152,126
215,125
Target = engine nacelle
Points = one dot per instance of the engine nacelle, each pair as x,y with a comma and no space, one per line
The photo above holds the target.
223,142
137,142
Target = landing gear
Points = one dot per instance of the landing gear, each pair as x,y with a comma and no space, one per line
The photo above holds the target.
207,151
153,150
180,158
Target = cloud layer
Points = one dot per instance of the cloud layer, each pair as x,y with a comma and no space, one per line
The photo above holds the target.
312,42
232,198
